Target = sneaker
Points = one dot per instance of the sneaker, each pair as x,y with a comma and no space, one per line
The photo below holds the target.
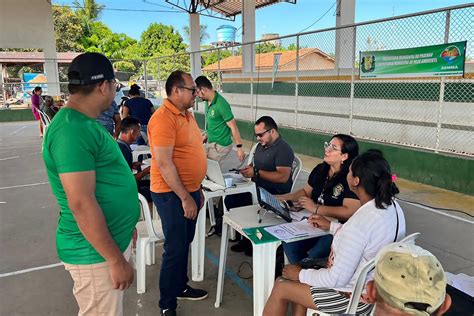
168,312
192,294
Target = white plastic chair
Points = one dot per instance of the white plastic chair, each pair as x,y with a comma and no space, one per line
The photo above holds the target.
45,120
360,282
149,231
295,169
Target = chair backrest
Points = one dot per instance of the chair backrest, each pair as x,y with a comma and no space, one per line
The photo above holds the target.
251,154
295,169
360,282
44,118
148,219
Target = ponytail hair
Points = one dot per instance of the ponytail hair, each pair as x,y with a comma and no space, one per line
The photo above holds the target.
375,177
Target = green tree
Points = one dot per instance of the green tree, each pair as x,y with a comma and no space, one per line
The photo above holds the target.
159,38
103,40
203,35
268,47
68,30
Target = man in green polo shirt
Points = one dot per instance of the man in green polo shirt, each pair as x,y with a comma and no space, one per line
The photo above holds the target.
94,188
221,126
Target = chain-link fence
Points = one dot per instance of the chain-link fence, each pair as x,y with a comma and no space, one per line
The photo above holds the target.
317,85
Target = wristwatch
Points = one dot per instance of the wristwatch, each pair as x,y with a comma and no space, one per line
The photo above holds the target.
238,145
255,173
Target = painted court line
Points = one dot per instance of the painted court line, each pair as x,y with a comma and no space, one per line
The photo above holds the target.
16,131
49,266
8,158
23,185
231,274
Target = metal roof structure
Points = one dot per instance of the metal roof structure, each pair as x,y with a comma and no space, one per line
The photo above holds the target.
221,9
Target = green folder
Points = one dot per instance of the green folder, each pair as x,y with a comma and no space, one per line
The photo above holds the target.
266,236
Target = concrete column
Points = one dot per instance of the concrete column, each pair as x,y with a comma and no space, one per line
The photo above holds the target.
195,39
345,37
51,70
29,24
248,35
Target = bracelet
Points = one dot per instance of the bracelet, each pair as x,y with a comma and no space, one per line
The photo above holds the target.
316,210
238,145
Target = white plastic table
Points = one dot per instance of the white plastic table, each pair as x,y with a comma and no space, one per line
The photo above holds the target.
140,150
264,255
198,245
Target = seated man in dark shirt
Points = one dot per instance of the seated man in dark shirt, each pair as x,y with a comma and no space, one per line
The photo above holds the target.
270,169
129,132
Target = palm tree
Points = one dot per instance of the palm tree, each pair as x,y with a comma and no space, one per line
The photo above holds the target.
88,11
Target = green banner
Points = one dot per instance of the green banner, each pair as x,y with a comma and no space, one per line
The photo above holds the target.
427,61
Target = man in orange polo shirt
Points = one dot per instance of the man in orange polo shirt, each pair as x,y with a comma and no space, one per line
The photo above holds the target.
177,169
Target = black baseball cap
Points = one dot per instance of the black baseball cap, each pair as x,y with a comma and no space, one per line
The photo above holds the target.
90,68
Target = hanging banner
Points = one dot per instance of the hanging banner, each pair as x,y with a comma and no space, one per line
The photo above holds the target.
276,61
427,61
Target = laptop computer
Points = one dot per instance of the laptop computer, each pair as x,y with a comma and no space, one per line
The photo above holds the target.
271,203
216,180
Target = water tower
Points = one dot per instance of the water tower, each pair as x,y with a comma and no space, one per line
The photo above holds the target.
225,36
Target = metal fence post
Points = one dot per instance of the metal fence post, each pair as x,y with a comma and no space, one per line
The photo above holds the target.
252,115
146,78
159,75
219,74
446,26
297,78
351,113
440,108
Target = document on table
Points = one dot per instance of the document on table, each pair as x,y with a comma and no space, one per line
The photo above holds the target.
300,215
295,230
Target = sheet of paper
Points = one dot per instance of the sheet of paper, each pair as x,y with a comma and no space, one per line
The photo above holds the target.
462,282
294,230
300,215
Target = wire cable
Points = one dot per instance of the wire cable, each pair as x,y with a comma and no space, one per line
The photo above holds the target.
320,18
121,9
436,208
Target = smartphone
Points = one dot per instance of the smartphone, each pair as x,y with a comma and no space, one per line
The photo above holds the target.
292,206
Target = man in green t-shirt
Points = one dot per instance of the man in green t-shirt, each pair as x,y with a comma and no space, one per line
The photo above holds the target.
94,188
221,126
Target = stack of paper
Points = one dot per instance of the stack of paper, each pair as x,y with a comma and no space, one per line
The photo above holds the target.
295,230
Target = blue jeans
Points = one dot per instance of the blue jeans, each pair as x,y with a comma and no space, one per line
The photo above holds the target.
143,138
317,247
179,233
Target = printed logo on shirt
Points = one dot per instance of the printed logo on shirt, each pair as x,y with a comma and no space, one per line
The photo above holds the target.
212,113
338,189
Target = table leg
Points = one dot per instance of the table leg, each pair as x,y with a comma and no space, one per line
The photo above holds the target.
222,262
198,246
264,261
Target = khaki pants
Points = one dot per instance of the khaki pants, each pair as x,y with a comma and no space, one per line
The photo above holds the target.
93,288
217,152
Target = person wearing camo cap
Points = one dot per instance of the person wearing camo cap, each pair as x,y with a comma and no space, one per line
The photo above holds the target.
408,280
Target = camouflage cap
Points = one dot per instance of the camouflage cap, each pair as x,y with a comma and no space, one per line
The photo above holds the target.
407,275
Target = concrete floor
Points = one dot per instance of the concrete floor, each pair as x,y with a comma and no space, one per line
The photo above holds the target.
28,216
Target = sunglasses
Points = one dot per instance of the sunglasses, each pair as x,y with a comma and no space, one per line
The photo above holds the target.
193,89
262,133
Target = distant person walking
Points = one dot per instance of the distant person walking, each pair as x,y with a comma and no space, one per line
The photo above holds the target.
36,104
139,107
95,189
177,170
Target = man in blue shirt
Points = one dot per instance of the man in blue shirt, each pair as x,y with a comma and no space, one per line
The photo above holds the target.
110,119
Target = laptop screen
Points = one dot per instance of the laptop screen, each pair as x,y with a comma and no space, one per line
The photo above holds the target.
269,201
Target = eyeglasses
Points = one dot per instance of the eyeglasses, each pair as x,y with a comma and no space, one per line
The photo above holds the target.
193,89
116,84
262,133
330,147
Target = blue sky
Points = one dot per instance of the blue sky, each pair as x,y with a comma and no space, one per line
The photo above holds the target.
282,18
